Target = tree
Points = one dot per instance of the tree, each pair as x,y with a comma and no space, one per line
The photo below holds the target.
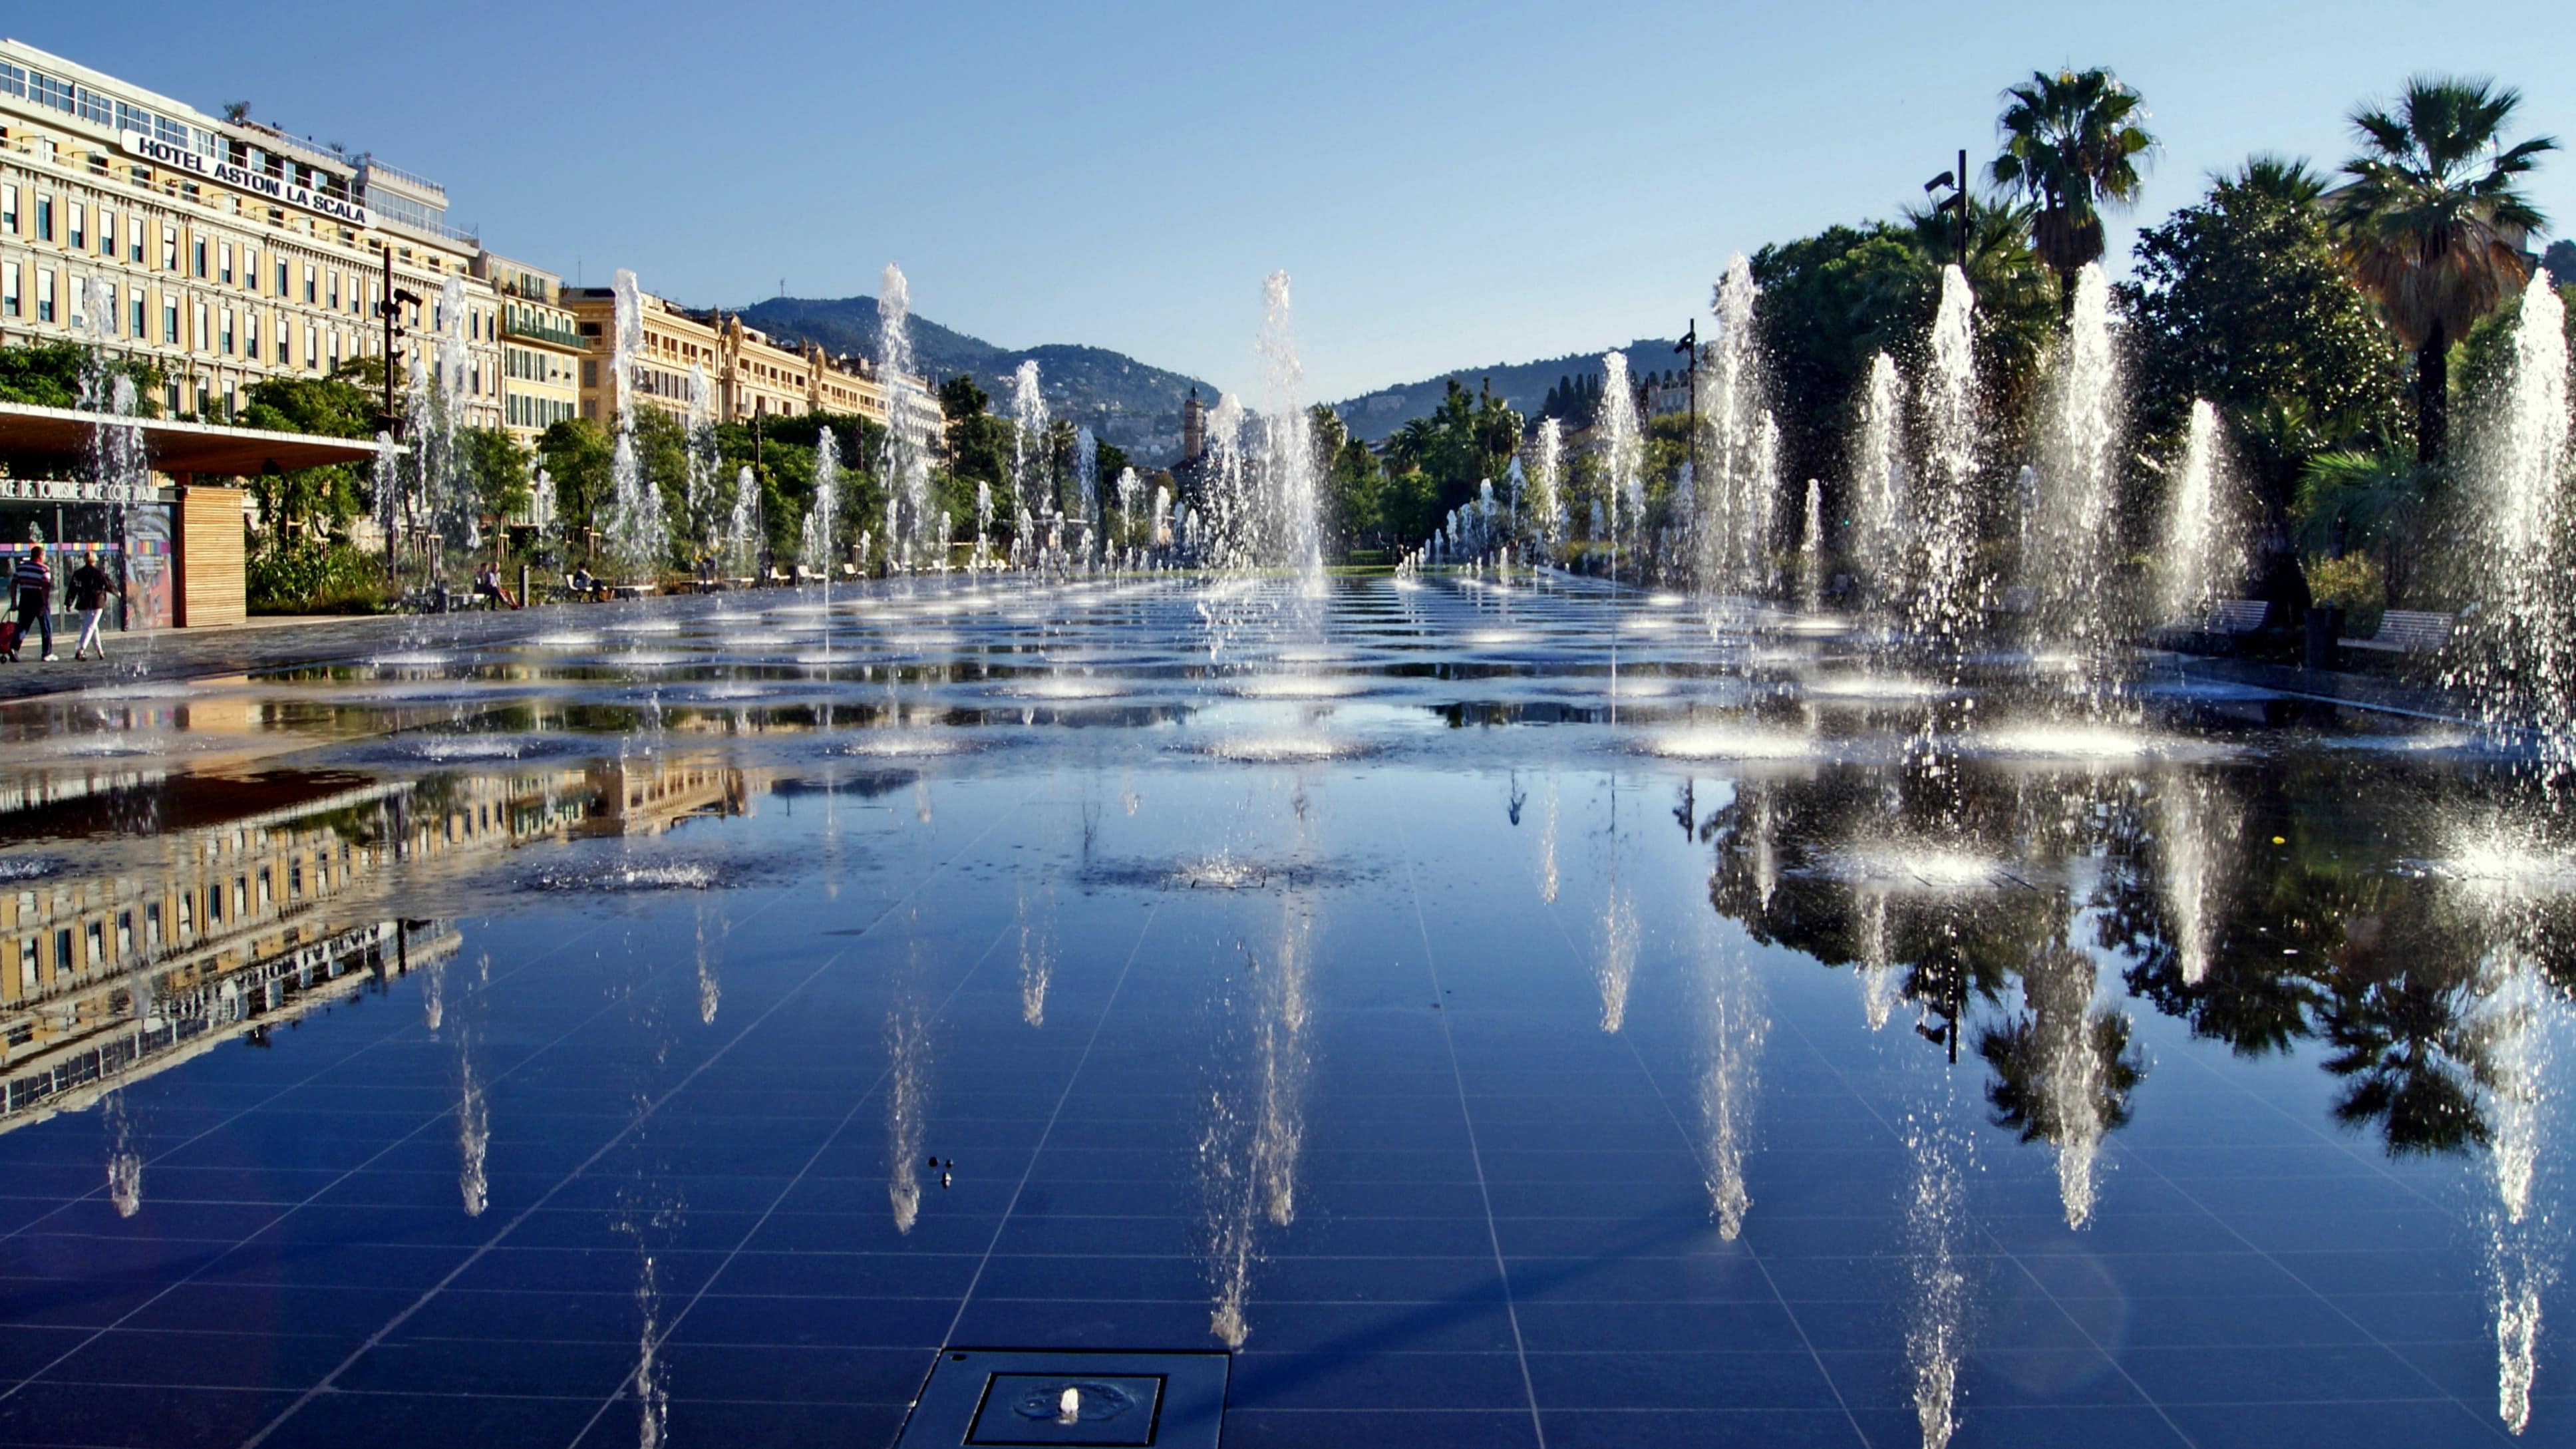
2380,500
2433,223
310,501
2072,142
497,469
2242,299
579,455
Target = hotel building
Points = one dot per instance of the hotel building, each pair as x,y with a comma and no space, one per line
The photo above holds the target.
540,347
223,248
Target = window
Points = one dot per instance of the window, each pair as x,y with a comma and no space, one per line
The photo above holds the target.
250,266
590,374
199,338
250,336
152,924
10,304
312,290
27,964
170,319
97,942
80,227
44,218
312,347
169,248
284,354
214,906
266,888
241,897
134,242
224,259
106,232
104,314
44,294
197,254
227,338
138,328
281,279
9,210
335,291
187,911
124,934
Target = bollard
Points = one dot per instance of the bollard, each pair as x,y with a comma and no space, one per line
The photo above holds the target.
2325,629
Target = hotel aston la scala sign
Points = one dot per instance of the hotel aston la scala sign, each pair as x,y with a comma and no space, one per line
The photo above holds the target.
242,178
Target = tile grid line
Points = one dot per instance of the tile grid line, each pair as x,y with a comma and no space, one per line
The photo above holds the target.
401,1032
1556,917
1100,1023
707,1285
328,1382
1467,1118
2494,1429
308,1200
1894,1131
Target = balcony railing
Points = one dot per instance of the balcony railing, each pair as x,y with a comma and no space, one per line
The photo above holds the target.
529,329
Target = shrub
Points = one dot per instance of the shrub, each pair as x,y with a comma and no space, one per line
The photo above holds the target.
2352,584
310,576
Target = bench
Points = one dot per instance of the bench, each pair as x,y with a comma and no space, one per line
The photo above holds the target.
2236,618
2408,631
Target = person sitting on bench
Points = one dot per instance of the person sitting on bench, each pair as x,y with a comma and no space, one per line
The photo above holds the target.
487,585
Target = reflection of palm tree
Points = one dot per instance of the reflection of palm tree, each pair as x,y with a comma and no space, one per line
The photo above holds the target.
2022,1093
2396,1019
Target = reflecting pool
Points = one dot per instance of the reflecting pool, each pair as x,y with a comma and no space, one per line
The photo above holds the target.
1476,1013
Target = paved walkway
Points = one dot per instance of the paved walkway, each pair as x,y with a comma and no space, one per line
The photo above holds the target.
265,643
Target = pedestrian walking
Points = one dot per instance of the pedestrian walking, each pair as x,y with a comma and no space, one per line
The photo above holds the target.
91,588
32,582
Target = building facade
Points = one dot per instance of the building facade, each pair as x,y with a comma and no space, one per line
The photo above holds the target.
541,347
223,249
745,373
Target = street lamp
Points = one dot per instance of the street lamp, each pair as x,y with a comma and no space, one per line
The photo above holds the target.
1956,203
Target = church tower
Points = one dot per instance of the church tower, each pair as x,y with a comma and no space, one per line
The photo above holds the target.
1193,428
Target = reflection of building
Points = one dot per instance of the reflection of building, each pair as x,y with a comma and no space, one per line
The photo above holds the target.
628,798
234,922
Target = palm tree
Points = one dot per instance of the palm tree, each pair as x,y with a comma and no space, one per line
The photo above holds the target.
2288,180
2376,500
2433,224
2071,142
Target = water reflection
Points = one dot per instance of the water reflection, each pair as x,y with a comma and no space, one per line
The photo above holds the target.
1037,956
1732,1026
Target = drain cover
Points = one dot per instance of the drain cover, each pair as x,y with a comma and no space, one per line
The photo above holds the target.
992,1399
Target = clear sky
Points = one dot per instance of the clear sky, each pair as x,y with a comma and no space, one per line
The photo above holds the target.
1449,185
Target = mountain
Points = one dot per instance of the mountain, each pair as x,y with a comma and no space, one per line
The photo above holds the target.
1524,385
1120,399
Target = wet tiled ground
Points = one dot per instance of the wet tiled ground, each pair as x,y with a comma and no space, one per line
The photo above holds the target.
1338,983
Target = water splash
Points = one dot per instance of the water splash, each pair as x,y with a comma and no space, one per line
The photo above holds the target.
907,1110
1882,536
1739,495
1877,970
2204,554
1547,479
638,536
2070,540
1946,599
1037,959
2197,828
1288,459
710,988
1732,1029
473,1134
1935,1213
1614,969
2522,670
906,473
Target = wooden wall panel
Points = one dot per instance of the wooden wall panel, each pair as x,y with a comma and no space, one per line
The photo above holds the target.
211,586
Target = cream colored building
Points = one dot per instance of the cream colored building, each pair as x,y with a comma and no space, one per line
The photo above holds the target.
747,375
226,250
540,347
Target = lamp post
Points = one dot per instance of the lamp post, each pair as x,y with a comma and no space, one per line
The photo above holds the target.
1689,347
1956,203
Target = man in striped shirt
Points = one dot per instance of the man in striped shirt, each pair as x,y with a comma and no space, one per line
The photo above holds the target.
33,584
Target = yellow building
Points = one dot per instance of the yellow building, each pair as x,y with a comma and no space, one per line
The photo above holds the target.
745,373
225,249
540,347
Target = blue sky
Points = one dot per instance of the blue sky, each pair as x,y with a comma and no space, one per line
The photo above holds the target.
1448,184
